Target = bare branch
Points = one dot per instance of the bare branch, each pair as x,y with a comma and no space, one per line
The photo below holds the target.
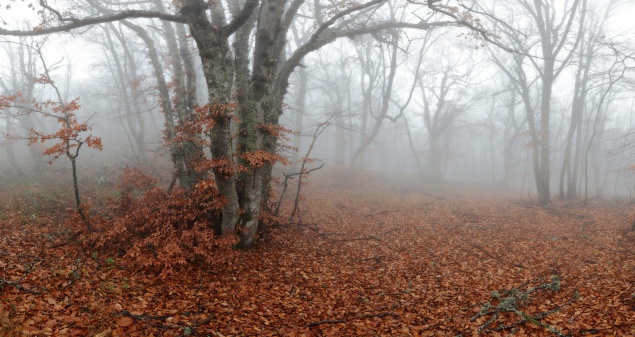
59,15
241,18
79,23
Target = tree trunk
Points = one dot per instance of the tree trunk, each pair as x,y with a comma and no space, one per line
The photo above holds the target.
544,193
218,69
257,117
191,152
386,94
300,107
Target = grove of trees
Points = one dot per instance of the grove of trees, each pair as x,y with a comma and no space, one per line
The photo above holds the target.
526,95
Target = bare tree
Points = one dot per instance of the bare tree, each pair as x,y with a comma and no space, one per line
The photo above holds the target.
556,40
443,98
587,53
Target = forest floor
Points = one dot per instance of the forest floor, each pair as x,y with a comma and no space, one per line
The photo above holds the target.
369,257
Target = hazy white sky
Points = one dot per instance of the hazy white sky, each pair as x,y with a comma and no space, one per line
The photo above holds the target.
78,51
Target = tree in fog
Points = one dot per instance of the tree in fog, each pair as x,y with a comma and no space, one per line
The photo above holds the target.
334,82
587,55
24,68
445,95
545,38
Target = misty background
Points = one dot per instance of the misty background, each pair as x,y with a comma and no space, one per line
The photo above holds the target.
440,105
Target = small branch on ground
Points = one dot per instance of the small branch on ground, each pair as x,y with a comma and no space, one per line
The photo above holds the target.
17,285
361,238
142,317
329,234
623,251
71,239
513,301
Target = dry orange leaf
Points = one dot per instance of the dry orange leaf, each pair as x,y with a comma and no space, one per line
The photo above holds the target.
125,321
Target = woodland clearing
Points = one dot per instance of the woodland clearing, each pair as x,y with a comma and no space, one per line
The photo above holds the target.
369,257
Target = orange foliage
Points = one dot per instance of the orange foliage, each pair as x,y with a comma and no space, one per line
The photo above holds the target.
260,158
69,136
163,232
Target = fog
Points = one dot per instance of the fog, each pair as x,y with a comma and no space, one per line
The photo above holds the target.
475,104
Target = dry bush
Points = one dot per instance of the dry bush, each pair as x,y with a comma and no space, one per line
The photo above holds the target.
158,231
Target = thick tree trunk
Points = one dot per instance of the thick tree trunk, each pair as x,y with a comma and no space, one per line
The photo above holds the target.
434,171
511,132
258,117
218,69
567,177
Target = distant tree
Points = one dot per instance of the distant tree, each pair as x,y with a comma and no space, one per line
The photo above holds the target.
588,53
23,69
555,37
444,98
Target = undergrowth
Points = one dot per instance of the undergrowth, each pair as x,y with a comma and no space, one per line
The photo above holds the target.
159,231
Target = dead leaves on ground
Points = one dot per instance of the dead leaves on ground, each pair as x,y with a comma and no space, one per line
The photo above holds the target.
366,261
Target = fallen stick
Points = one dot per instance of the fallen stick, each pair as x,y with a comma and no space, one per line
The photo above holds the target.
140,317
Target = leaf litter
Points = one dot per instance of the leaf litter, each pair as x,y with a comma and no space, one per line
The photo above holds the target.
366,259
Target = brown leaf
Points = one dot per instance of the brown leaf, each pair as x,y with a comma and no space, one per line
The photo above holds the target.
125,321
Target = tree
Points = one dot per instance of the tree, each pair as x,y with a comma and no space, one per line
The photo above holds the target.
69,138
587,54
24,66
443,101
554,32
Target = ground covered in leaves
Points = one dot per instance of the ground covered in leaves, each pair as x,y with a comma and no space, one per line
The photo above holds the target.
369,257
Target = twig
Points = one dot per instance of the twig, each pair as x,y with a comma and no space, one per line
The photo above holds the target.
484,251
141,317
330,234
205,321
318,131
512,301
74,273
625,251
17,285
361,238
71,239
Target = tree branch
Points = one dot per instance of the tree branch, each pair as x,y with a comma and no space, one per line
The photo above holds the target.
79,23
59,15
484,33
241,18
